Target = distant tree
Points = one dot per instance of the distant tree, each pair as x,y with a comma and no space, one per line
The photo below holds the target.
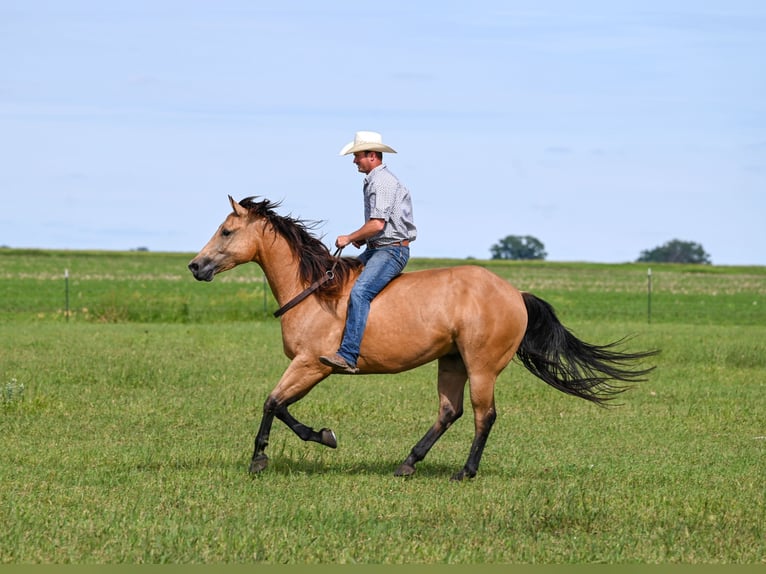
676,251
518,247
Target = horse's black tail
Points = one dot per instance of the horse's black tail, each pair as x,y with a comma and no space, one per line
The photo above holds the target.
592,372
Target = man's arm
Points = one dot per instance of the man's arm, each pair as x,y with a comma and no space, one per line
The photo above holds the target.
371,228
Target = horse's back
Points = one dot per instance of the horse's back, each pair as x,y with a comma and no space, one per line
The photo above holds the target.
457,283
433,312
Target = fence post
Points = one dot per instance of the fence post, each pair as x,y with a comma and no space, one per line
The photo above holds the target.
66,293
265,306
649,295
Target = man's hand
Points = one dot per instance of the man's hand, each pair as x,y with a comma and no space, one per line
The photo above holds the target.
342,241
360,236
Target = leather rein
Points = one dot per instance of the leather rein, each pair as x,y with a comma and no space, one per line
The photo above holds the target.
328,276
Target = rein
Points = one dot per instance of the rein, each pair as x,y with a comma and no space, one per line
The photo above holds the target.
328,276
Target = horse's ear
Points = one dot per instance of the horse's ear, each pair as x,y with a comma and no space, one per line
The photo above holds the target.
238,209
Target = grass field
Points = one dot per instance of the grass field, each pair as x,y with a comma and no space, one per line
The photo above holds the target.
127,428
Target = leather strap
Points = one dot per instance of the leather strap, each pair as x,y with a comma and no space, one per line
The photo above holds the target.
328,276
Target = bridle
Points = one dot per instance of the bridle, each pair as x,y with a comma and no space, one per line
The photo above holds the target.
328,276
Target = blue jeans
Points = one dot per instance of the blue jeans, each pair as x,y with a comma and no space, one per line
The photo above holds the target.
380,267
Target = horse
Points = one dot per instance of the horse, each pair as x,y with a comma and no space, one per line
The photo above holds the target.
467,318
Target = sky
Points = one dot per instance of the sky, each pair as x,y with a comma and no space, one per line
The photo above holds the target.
601,128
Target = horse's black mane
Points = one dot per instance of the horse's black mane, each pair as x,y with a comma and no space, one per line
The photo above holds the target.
314,257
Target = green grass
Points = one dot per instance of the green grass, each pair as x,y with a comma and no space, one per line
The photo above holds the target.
109,287
127,435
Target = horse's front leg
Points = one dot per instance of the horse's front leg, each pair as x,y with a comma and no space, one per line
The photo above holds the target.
260,461
324,436
299,378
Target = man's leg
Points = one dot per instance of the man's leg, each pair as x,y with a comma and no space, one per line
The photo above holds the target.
381,267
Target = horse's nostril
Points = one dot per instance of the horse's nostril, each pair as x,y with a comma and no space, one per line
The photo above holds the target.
193,266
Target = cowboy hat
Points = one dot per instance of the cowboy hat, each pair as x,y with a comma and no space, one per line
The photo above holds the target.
366,141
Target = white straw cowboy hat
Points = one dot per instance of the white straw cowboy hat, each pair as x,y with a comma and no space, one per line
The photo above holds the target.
366,141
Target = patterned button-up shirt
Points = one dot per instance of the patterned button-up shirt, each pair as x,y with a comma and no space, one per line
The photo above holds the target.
386,198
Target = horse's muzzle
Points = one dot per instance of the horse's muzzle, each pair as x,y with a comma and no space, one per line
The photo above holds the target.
204,272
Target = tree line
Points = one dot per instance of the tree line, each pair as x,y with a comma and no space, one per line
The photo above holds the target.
527,247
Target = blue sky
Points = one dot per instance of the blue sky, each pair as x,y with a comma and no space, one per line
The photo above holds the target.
601,128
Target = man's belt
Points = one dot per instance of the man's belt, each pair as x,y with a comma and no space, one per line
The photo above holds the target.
378,245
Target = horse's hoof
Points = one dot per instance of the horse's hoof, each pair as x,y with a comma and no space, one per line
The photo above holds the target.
259,463
329,438
459,476
404,470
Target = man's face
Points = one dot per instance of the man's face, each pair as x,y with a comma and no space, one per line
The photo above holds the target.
365,161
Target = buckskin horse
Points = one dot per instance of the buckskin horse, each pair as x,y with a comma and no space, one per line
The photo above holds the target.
467,318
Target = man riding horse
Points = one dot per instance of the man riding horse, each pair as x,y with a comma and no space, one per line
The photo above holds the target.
388,229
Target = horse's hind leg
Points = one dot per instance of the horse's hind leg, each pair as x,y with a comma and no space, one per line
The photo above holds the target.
482,390
452,378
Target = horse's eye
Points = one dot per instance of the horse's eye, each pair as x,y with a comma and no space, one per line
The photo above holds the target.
225,232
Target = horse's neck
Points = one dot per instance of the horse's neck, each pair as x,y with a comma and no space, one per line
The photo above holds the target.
281,269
